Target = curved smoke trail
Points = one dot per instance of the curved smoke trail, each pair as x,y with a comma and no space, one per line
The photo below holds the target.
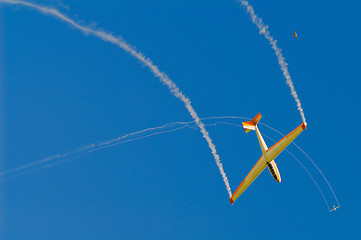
138,135
263,30
118,41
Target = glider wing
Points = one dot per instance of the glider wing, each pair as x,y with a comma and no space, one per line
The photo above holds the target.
276,149
252,175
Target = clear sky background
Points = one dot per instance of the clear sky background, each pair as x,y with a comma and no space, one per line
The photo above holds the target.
62,90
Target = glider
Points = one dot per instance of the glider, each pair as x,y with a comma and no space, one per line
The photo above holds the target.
268,156
295,34
334,208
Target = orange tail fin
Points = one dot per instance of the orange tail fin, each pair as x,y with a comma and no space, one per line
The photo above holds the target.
251,125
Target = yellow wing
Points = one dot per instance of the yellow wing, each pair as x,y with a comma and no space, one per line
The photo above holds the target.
252,175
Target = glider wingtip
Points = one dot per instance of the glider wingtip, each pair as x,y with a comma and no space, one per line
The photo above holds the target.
231,200
304,125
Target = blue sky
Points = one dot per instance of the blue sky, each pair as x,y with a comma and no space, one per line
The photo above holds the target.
62,90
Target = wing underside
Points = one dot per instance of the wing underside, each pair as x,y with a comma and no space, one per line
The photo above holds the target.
252,175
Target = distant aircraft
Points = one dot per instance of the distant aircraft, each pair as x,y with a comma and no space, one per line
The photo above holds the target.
267,159
334,208
295,34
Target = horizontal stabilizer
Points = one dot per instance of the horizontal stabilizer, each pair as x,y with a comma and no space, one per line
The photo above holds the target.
251,125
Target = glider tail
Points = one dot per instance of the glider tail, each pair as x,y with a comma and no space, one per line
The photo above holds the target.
251,125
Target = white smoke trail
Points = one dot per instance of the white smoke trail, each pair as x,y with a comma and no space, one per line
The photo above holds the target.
130,137
34,164
95,147
263,30
146,61
134,139
138,135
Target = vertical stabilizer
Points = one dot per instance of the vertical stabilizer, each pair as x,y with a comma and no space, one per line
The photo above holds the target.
251,125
